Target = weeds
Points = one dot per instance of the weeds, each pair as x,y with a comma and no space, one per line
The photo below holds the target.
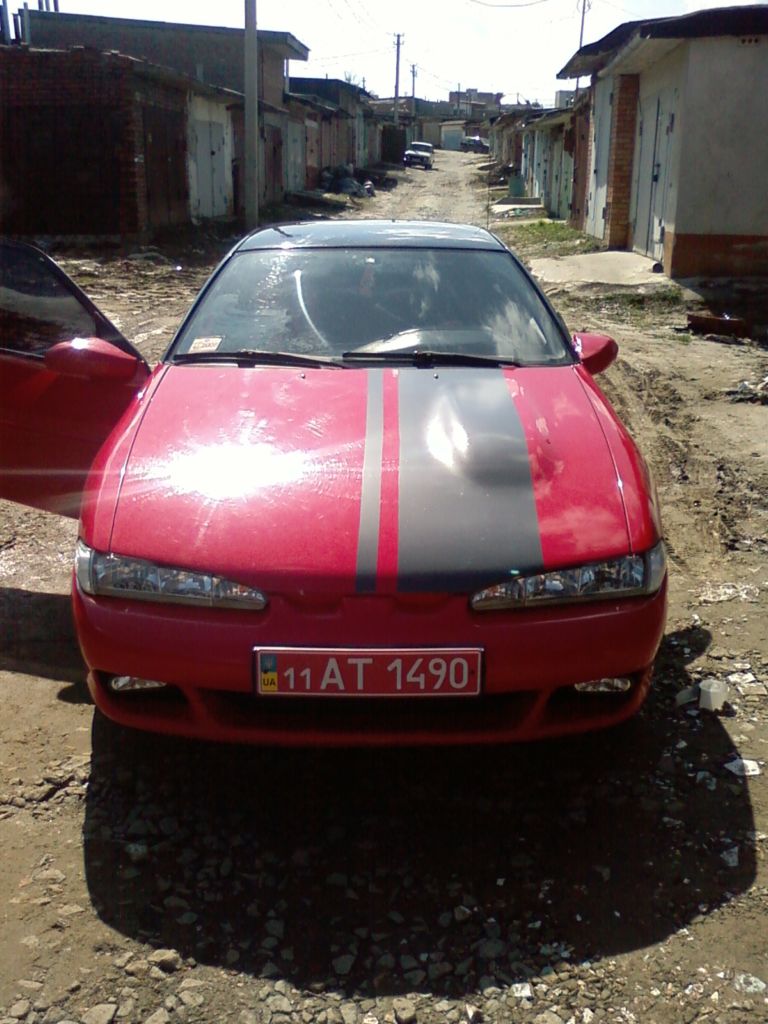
545,238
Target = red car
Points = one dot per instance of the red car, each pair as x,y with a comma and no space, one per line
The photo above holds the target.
371,495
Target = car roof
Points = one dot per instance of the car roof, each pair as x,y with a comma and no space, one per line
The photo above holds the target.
350,234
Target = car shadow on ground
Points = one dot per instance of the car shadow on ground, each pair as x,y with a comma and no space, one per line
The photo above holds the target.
377,872
37,637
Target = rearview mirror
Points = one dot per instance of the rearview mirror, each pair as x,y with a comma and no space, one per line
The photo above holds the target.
91,358
597,351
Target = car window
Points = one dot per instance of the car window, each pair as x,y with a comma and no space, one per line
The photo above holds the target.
328,301
36,308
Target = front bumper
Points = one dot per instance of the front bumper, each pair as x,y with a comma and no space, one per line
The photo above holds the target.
531,661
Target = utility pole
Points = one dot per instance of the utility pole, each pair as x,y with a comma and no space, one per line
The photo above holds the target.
398,41
581,39
413,89
251,169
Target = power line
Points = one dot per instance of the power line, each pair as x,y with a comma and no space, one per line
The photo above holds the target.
342,56
530,3
371,23
437,78
617,7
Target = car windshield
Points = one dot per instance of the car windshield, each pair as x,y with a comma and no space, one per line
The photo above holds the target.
421,147
332,302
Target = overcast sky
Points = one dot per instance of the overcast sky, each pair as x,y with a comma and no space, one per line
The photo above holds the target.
489,45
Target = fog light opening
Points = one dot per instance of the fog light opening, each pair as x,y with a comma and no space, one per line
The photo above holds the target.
604,686
129,684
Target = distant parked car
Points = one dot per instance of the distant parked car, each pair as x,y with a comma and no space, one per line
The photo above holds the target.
474,144
419,154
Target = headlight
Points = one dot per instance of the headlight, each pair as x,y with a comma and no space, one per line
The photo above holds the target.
119,576
616,577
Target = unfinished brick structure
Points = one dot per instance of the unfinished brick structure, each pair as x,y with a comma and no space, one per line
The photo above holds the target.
92,143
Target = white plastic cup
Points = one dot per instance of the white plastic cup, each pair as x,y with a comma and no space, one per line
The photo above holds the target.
713,693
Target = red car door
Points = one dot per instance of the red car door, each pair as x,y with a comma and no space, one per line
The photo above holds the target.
66,377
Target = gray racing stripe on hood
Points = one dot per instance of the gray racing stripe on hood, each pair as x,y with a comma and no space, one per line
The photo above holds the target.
467,514
370,496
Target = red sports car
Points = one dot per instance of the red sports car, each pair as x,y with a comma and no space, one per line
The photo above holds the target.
371,495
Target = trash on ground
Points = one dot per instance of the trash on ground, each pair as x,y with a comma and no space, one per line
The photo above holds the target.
747,391
717,593
743,767
521,990
686,696
725,325
713,694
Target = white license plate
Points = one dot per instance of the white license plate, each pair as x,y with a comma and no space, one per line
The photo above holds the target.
365,672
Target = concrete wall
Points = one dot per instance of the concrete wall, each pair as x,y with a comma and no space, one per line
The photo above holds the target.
725,145
210,148
722,211
212,55
429,131
272,80
451,136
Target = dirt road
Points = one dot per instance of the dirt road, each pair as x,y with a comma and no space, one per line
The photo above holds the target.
615,878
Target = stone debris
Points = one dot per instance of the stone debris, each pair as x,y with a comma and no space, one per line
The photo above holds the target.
167,960
104,1013
521,990
730,857
749,984
404,1010
343,964
160,1016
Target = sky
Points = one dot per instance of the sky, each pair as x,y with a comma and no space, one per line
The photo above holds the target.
515,48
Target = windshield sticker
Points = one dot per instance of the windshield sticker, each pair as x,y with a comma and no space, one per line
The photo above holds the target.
205,344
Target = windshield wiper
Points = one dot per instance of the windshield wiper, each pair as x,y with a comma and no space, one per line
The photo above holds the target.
427,357
256,357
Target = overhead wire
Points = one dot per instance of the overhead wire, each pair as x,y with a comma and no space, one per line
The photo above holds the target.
528,3
356,15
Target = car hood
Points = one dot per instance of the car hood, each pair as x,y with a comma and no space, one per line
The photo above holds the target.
370,479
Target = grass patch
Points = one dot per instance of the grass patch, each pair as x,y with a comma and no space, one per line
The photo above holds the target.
658,307
662,297
546,238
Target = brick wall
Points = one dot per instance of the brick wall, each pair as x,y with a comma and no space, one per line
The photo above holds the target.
623,122
67,154
89,145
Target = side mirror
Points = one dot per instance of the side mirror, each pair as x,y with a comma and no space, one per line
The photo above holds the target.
91,358
596,351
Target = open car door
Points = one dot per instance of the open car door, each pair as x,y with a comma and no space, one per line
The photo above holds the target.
66,377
